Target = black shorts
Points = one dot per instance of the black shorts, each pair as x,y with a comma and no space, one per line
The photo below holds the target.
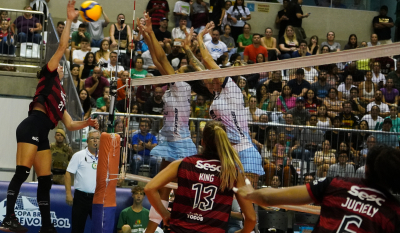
35,130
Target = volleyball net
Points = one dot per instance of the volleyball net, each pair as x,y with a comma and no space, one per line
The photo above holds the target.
303,118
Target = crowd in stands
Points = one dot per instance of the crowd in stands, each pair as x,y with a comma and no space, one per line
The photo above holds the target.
359,94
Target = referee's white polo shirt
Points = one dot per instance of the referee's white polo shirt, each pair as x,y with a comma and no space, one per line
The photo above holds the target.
84,165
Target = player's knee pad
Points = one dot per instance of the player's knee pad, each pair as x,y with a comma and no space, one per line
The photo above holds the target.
21,174
154,216
44,183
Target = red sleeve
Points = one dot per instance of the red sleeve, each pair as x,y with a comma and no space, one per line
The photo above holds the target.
246,51
311,193
88,83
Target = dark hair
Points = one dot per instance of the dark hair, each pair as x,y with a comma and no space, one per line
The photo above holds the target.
221,59
235,7
314,99
183,18
137,58
322,48
354,88
303,42
382,167
82,25
247,25
349,43
226,26
137,189
332,88
86,60
336,118
114,53
366,122
346,102
258,92
75,66
120,14
256,34
84,39
384,7
332,32
58,23
262,56
237,80
310,44
86,102
283,92
234,57
267,29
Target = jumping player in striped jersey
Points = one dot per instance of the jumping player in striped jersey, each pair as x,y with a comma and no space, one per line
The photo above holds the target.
347,204
33,149
228,107
176,142
204,196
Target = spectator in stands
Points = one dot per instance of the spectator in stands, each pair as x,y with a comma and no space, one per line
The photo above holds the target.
292,134
367,89
308,178
371,142
310,74
395,75
216,47
382,26
6,39
363,44
299,85
95,30
125,58
373,117
359,140
344,88
142,143
78,36
387,64
86,69
270,44
377,76
78,83
29,27
59,31
143,93
239,14
313,47
378,98
332,103
334,136
263,98
390,94
102,101
78,55
349,120
300,115
342,168
138,71
154,105
253,112
96,83
312,138
157,10
288,43
325,49
134,218
357,75
323,159
200,109
199,12
242,84
286,101
275,84
296,15
4,15
164,36
120,82
182,9
311,102
251,51
218,8
84,98
387,139
149,65
276,182
282,18
111,70
103,53
179,33
374,40
120,33
267,146
228,40
279,152
176,54
322,115
302,51
330,42
321,87
352,42
259,132
243,40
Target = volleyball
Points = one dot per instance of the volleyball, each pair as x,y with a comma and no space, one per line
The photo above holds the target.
90,11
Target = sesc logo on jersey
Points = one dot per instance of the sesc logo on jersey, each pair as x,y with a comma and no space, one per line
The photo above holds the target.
208,167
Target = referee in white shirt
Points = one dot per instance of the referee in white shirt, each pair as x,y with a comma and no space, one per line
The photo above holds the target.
84,166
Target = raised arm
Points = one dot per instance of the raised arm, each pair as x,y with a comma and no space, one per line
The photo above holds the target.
62,46
187,44
207,58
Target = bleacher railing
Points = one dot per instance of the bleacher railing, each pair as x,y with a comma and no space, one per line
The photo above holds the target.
26,48
294,157
73,104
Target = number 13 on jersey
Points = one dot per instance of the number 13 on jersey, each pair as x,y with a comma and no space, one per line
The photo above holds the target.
207,202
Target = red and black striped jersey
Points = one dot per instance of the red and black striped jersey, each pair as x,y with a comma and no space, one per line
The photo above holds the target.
352,205
200,205
50,94
162,11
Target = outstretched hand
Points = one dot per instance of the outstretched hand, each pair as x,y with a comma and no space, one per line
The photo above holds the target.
206,30
245,190
148,27
93,122
188,38
71,12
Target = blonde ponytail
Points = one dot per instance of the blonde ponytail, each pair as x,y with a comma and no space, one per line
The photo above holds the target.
216,139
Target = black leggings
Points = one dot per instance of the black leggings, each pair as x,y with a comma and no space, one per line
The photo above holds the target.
236,31
35,130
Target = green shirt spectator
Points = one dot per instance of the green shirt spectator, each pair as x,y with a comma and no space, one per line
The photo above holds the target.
77,38
245,42
138,74
136,220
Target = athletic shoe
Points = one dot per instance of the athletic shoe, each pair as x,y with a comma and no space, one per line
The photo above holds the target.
50,229
11,223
